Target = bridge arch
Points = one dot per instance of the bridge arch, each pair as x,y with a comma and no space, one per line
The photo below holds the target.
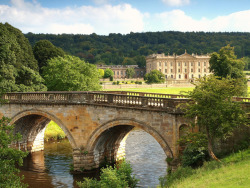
31,123
110,134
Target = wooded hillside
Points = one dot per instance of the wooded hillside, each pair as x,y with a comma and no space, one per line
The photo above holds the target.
132,48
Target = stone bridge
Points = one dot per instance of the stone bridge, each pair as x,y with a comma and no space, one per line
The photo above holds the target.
96,123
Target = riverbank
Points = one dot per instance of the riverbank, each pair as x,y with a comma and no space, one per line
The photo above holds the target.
53,132
233,171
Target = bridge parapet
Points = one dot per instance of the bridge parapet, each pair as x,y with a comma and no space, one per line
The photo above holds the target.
127,100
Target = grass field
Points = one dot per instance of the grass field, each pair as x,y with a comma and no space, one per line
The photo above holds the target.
232,172
168,90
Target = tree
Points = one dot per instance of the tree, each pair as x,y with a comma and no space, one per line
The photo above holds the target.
18,66
154,76
130,72
108,73
9,157
69,73
226,65
213,108
44,50
101,73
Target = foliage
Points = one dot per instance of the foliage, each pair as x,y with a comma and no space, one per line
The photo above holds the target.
154,76
9,157
108,73
18,66
53,132
213,108
235,168
69,73
226,65
114,48
101,73
130,72
118,177
195,152
44,50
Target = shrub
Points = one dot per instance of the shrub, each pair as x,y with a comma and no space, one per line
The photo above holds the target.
112,177
117,82
195,152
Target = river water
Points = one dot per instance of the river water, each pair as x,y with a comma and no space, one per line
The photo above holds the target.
50,168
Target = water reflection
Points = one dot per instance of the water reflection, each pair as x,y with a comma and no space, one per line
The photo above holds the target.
50,168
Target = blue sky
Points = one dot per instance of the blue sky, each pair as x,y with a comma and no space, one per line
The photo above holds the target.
125,16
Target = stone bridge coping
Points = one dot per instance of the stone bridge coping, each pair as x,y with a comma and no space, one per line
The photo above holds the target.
125,99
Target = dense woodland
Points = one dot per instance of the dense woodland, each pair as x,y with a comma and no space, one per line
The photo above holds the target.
132,48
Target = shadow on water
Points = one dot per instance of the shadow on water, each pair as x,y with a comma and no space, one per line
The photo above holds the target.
50,168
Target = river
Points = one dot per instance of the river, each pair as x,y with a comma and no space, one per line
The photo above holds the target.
50,168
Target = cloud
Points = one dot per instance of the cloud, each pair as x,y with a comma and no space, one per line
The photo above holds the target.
177,20
104,19
176,2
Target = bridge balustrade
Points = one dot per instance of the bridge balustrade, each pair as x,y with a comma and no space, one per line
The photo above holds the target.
119,99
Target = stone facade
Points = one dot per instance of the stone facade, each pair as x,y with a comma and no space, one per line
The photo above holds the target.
120,70
95,132
183,67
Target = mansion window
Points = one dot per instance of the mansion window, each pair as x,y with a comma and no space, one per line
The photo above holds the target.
179,64
121,72
114,72
205,70
199,76
165,64
166,70
179,70
199,64
172,76
204,63
185,70
192,76
191,70
192,64
171,64
166,76
117,72
171,70
160,70
179,76
199,70
185,64
159,63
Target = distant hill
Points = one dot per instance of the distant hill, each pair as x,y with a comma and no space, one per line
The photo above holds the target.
132,48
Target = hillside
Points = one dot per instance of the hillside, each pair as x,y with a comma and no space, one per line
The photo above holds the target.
132,48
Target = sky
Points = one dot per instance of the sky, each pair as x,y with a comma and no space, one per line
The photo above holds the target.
124,16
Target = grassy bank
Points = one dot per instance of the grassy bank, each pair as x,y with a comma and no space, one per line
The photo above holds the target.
170,90
233,171
53,132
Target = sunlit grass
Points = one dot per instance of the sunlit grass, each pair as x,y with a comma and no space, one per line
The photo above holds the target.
234,172
53,132
169,90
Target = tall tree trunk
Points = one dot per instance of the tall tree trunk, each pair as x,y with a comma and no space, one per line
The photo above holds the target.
210,146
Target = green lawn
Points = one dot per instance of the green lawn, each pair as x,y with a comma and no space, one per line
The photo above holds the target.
168,90
234,172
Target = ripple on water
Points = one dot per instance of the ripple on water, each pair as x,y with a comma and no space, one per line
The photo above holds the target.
146,157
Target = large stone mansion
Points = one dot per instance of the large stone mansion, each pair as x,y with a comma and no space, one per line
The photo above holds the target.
182,67
174,67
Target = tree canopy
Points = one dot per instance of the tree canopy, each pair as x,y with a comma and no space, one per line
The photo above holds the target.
108,73
18,67
69,73
44,50
118,49
213,108
9,157
226,65
154,76
130,72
